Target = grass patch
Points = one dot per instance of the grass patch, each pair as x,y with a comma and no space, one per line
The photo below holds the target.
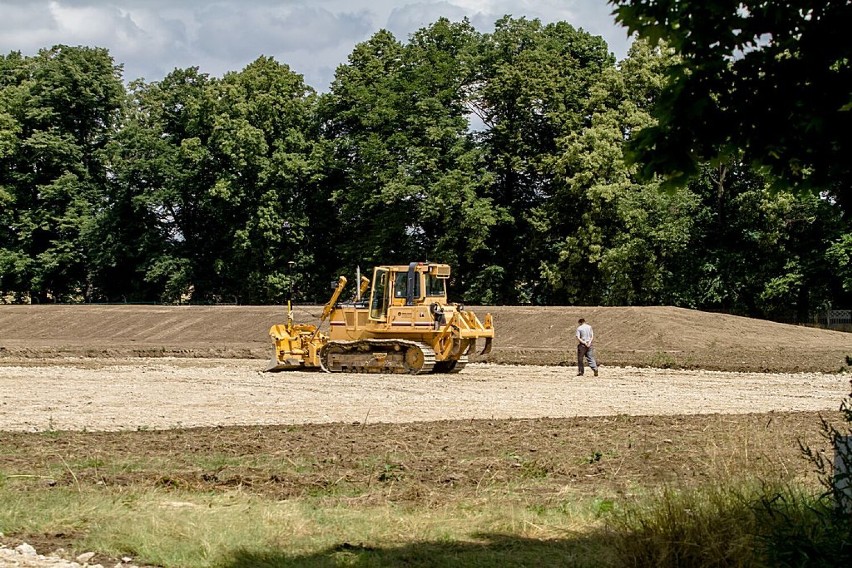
701,528
737,524
663,360
465,493
748,524
188,529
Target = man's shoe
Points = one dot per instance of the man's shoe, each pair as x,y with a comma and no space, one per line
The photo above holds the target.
579,374
596,372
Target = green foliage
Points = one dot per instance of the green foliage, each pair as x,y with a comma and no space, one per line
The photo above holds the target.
701,528
58,110
408,180
532,85
611,235
839,254
505,154
663,360
768,79
835,468
797,530
736,525
755,251
218,174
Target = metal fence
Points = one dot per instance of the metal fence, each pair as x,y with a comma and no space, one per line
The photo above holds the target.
838,317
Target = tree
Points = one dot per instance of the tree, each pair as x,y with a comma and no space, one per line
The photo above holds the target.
769,80
158,177
756,251
530,90
410,183
611,238
58,110
839,254
266,184
220,175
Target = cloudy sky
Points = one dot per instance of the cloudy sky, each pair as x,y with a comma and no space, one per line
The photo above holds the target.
152,37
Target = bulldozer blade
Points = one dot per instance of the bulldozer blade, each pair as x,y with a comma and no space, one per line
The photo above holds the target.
288,365
274,365
487,348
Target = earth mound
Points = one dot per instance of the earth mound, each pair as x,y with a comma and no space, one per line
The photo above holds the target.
636,336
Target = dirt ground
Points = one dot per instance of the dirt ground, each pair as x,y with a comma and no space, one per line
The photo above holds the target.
550,462
429,462
624,336
683,396
138,367
163,393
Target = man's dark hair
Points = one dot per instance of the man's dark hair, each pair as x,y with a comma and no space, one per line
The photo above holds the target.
581,321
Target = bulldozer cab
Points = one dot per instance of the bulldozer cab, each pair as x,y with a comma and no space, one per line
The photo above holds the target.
416,284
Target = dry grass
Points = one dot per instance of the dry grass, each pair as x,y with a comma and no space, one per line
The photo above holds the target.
484,493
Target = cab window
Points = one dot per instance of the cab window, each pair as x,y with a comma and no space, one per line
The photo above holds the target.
400,285
435,286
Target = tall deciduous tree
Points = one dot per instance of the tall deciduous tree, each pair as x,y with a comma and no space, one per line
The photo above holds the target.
410,181
221,173
757,252
611,238
532,84
160,171
58,110
266,186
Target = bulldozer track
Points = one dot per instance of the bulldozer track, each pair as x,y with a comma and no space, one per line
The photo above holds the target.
397,356
450,366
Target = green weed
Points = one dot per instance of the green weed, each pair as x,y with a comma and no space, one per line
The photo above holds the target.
662,360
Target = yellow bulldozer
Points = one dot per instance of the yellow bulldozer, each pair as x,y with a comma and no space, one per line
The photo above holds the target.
400,322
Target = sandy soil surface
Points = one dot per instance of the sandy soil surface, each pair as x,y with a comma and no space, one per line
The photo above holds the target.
162,393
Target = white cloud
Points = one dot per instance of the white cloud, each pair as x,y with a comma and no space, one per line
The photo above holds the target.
408,18
152,37
231,31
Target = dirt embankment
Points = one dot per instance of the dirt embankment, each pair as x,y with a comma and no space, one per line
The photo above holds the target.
636,336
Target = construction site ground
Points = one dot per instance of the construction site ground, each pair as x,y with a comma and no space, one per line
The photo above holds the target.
126,367
680,395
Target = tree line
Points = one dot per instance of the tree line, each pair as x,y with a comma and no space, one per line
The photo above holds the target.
505,154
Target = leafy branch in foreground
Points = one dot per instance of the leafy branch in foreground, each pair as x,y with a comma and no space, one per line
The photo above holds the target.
763,78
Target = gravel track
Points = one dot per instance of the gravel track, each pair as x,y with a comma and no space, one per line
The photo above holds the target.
111,395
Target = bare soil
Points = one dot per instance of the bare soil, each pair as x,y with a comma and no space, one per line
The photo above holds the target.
432,462
548,462
631,336
163,393
104,395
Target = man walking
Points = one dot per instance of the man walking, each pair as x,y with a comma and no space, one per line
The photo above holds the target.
585,350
